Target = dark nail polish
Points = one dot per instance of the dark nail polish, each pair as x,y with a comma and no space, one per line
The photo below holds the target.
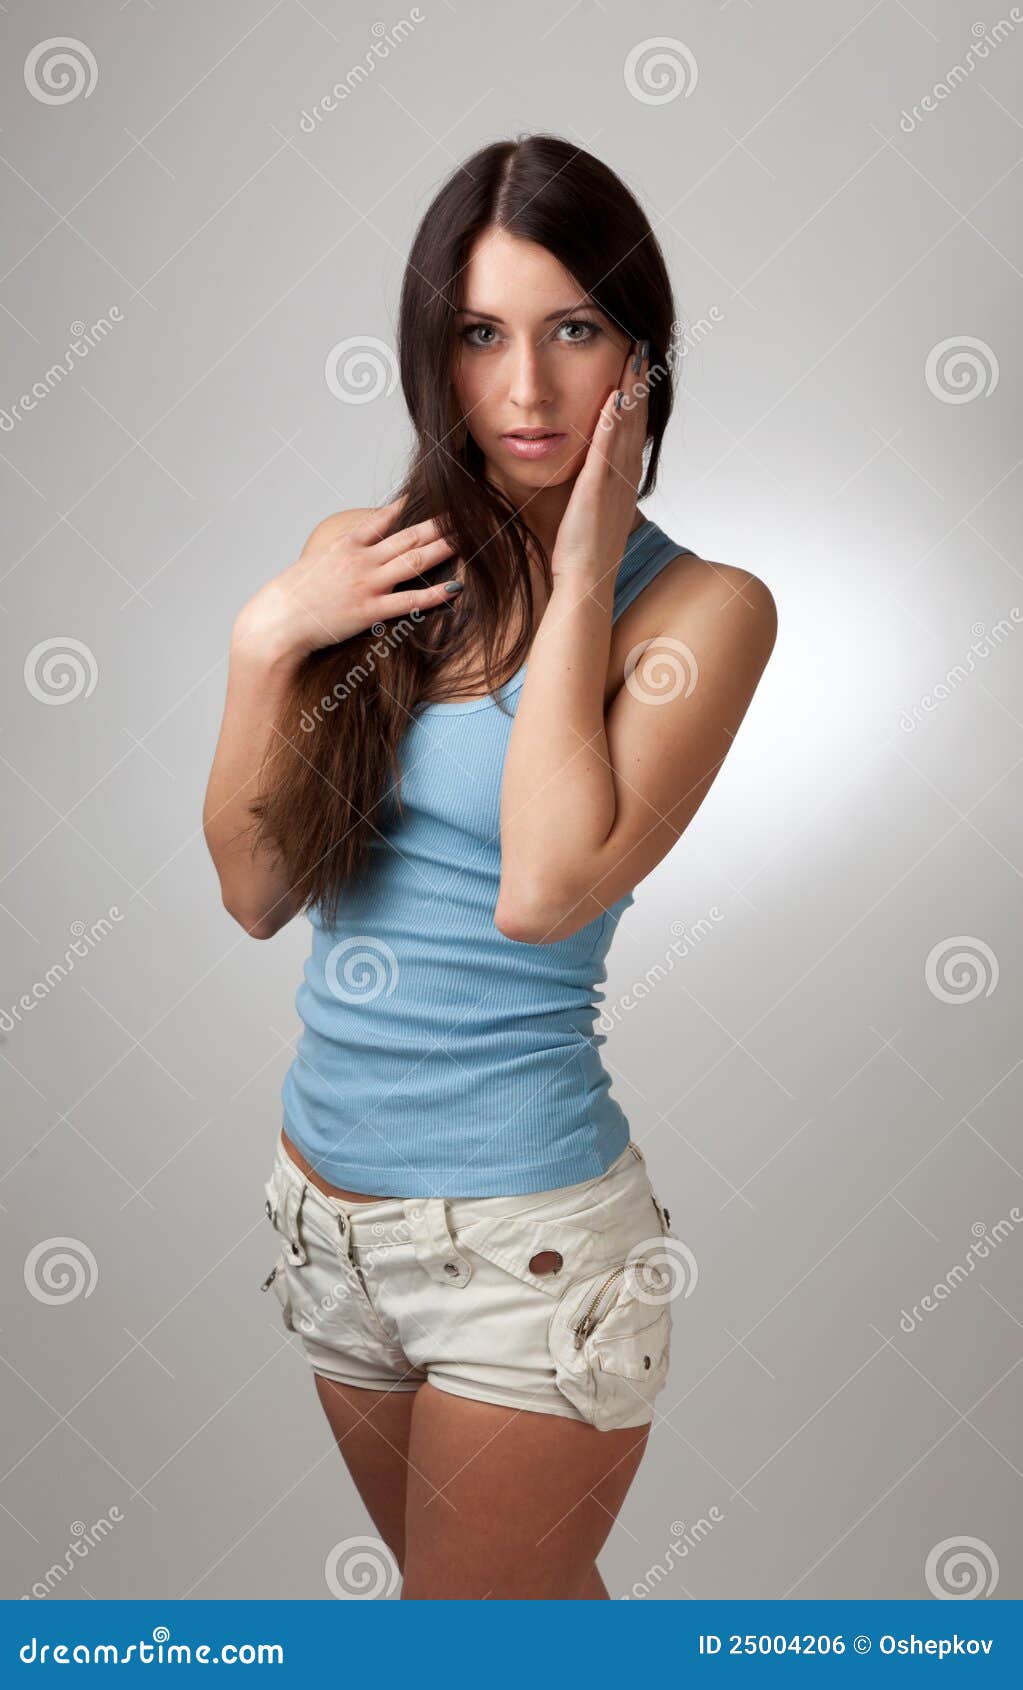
453,586
618,400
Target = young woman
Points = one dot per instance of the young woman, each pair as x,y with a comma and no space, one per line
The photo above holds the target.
468,723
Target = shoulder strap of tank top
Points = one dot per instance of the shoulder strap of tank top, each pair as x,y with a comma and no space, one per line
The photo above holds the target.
650,550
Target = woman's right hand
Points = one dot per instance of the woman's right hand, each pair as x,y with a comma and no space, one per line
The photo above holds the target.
344,581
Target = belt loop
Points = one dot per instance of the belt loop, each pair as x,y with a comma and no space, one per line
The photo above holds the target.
434,1246
293,1200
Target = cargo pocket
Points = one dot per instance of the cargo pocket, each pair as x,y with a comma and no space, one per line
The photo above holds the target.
292,1251
278,1278
611,1345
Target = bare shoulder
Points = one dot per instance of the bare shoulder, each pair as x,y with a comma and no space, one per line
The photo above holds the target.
338,523
697,592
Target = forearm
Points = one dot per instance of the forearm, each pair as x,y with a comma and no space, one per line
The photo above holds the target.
253,885
558,796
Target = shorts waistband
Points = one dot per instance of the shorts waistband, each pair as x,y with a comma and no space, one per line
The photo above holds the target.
381,1213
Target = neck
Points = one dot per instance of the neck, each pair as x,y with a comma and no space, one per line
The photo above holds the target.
542,508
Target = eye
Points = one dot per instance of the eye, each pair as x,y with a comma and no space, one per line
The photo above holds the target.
593,331
581,323
475,328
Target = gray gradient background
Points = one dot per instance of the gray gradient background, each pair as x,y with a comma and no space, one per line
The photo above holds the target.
829,1123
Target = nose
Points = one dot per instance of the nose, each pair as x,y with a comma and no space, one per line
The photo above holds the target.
529,385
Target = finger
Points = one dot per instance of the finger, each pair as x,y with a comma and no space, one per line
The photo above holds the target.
415,560
393,545
416,598
374,525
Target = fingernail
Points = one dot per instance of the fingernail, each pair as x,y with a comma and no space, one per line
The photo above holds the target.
618,400
642,352
453,586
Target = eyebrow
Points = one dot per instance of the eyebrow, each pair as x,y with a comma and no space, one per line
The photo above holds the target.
552,316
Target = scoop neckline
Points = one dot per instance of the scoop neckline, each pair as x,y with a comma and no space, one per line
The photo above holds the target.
455,706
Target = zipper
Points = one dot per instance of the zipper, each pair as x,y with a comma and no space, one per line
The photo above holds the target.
584,1327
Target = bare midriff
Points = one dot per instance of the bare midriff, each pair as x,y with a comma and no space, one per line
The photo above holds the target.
318,1179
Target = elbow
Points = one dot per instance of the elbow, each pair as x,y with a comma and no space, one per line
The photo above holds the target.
257,927
537,920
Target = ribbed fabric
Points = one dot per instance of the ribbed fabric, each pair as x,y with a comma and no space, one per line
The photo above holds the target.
438,1057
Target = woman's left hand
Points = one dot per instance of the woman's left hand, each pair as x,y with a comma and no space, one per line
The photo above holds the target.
601,509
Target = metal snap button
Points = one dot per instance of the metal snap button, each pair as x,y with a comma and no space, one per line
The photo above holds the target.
646,1361
451,1267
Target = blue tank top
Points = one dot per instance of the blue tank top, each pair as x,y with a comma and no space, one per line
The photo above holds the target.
438,1057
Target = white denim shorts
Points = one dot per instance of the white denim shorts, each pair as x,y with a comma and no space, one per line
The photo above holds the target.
389,1293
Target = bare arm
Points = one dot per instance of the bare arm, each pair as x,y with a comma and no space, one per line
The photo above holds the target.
347,577
254,886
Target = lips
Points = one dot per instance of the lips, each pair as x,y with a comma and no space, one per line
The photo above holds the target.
534,443
531,433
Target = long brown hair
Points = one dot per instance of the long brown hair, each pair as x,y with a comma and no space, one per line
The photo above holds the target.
330,782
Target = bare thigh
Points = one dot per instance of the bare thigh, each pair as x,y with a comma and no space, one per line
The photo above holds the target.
372,1430
509,1504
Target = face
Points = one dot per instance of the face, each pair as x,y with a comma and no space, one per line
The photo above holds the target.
531,354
